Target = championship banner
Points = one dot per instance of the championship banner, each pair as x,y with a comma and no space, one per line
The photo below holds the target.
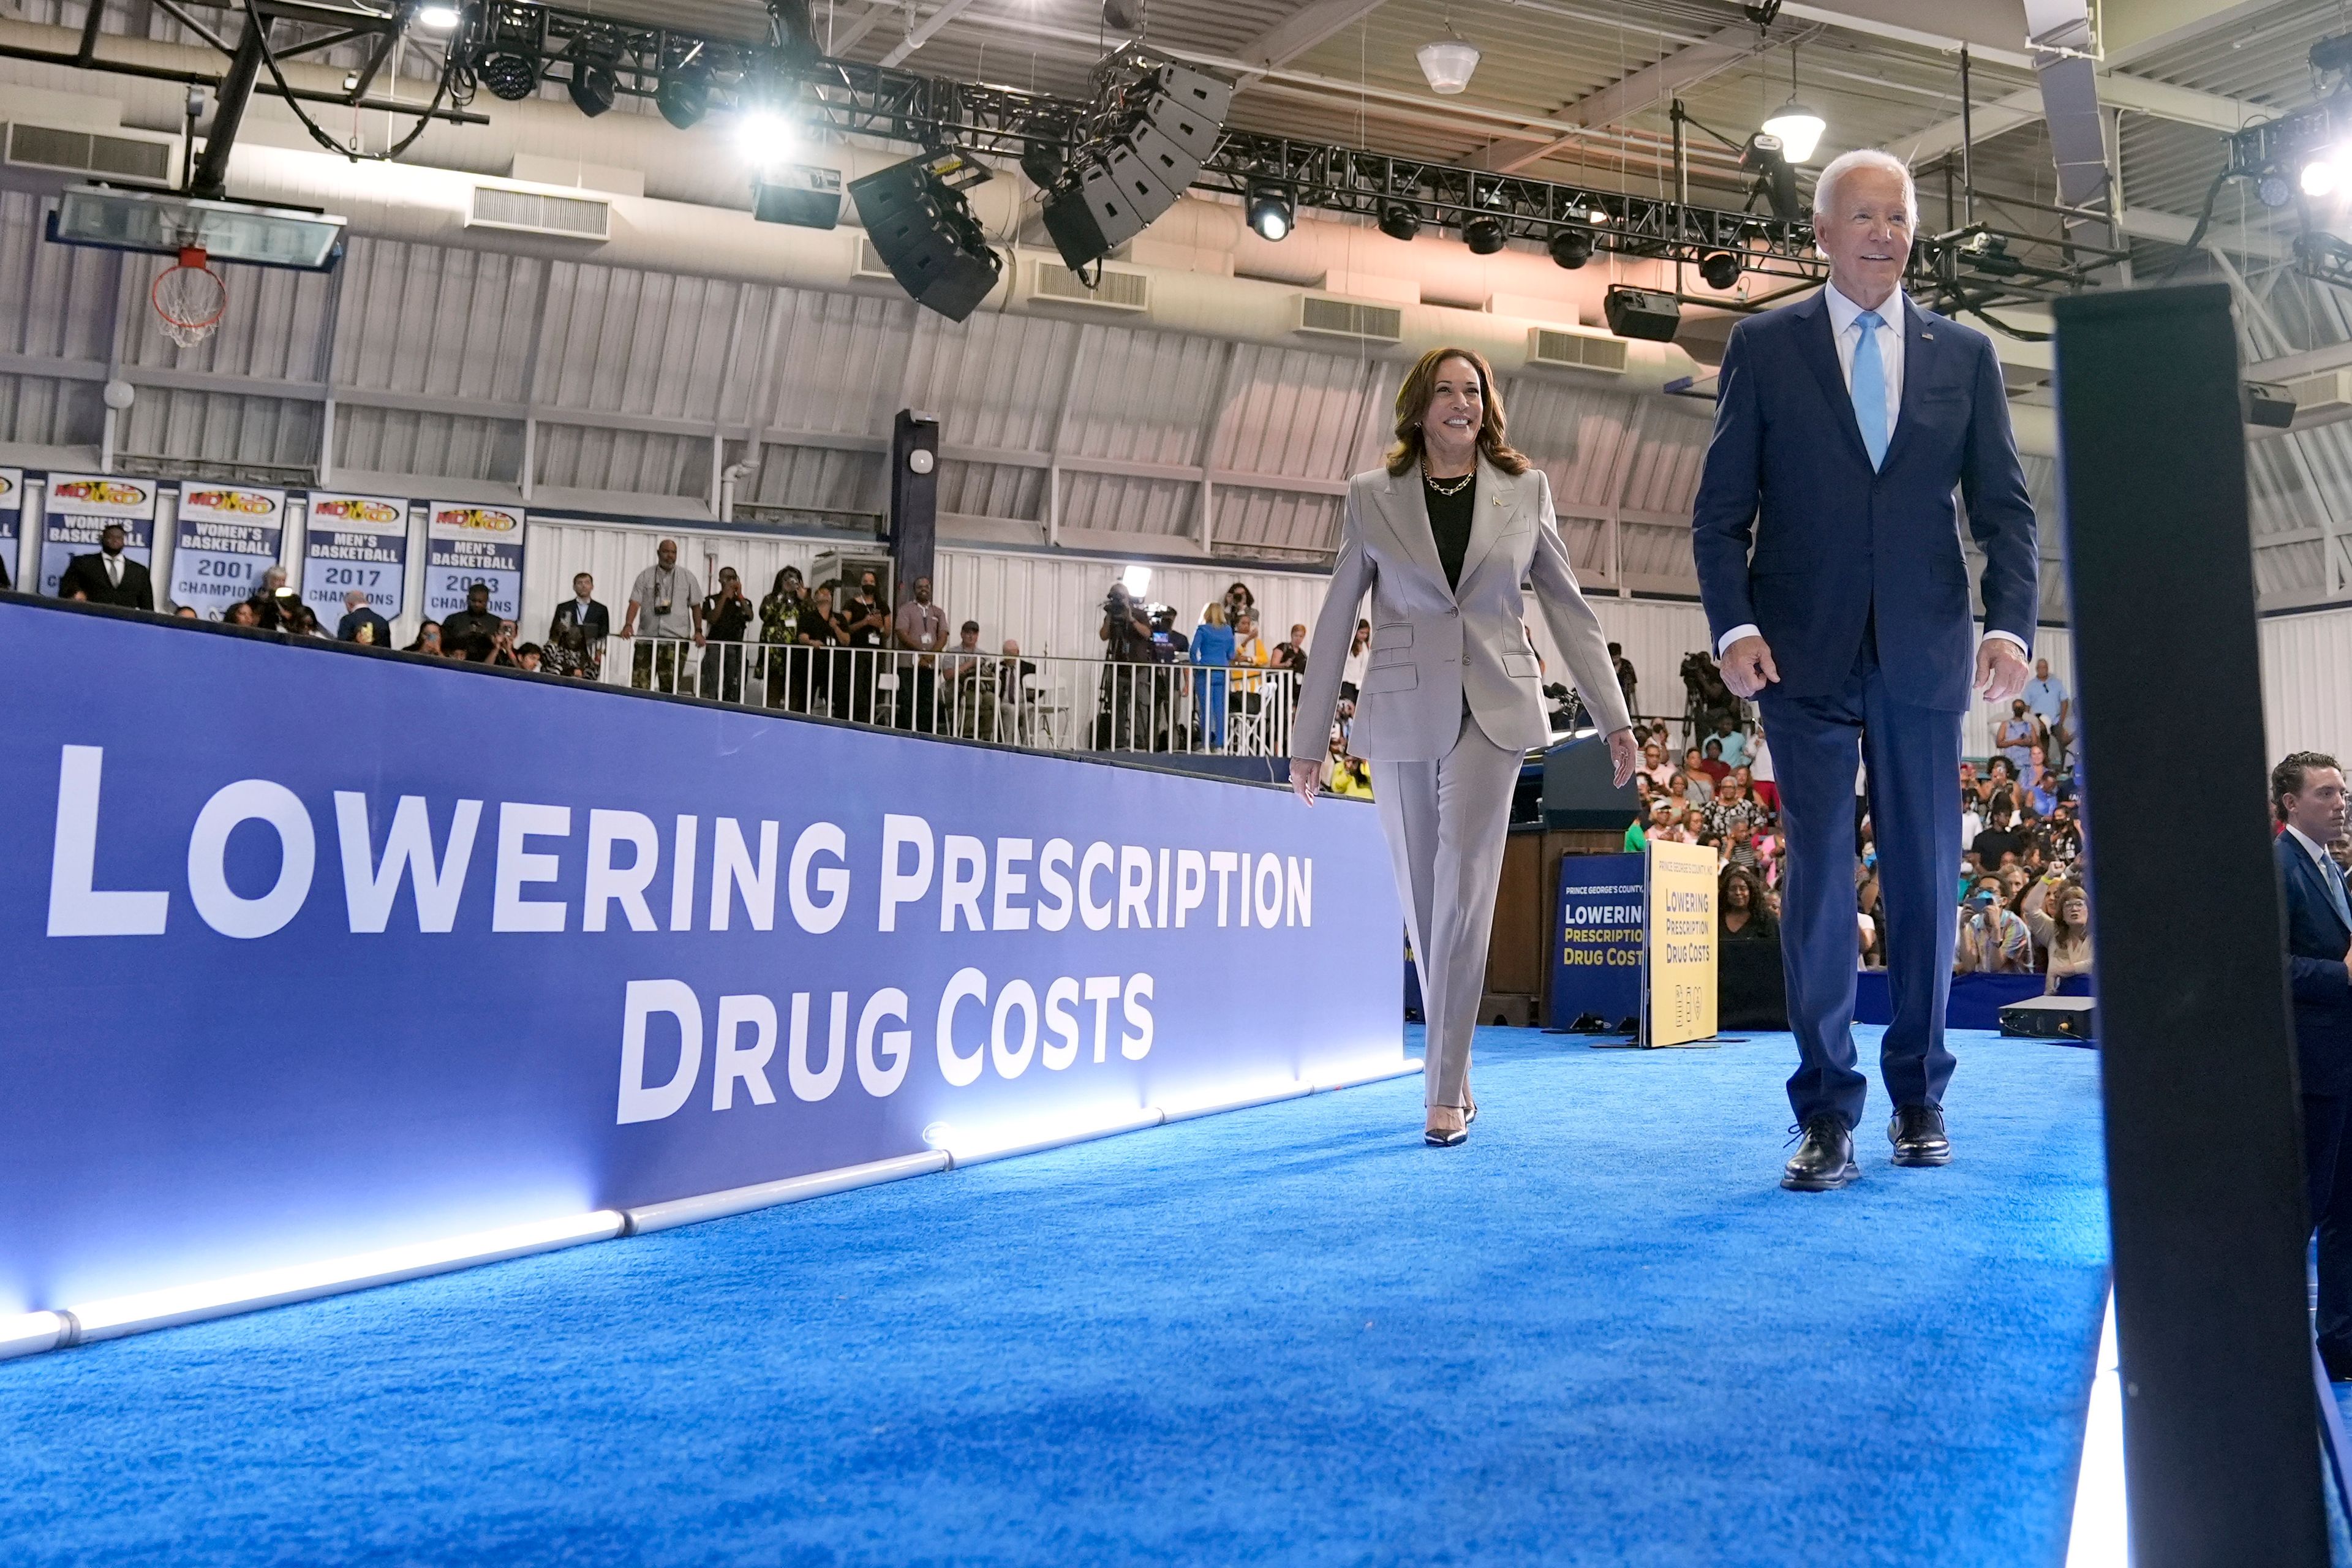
78,510
225,537
12,517
1678,993
469,544
355,541
539,979
1597,965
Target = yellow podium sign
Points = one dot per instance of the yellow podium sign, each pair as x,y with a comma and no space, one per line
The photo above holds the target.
1678,946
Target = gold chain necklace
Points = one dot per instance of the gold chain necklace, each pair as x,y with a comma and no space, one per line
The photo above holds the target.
1448,488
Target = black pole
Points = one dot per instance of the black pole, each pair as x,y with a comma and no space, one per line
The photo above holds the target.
914,499
1968,138
2205,1197
211,181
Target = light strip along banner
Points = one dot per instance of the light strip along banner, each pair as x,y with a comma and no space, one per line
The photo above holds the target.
225,537
466,544
512,949
78,510
1680,996
355,541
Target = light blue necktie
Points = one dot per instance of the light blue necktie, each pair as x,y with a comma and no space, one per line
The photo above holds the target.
1870,387
2334,880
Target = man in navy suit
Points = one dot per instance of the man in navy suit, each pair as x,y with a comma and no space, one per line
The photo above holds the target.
2308,793
1843,424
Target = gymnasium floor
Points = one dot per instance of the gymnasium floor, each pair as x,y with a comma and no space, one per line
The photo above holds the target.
1598,1334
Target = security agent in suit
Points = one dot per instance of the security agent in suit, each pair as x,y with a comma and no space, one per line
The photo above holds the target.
1450,702
109,577
1843,426
2308,795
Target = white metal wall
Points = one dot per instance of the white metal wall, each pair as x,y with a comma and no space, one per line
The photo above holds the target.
2307,683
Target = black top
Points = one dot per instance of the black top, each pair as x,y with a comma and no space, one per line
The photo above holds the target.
1449,521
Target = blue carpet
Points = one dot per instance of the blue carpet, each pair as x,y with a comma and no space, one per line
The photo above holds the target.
1598,1334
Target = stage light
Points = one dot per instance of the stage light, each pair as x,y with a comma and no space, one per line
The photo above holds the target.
683,97
1399,221
1484,235
438,18
1138,580
766,135
1571,248
120,1315
1721,269
592,86
1271,209
2273,190
1768,160
1447,64
2318,177
1041,161
509,73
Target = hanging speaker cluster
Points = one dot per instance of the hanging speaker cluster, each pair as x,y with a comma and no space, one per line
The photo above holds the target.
1154,124
924,230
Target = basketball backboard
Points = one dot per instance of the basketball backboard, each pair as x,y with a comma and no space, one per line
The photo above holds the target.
161,222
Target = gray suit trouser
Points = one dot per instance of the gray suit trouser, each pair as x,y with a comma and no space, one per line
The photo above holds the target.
1445,821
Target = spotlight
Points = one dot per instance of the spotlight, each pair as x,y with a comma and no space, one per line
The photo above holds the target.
1766,157
1571,248
766,135
1798,127
1484,235
591,84
437,18
791,31
2273,190
1041,161
508,73
1271,209
683,97
1721,269
1399,221
2318,177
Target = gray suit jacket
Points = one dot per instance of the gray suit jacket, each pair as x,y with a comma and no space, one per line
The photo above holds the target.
1433,645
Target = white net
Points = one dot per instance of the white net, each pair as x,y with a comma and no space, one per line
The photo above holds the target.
189,297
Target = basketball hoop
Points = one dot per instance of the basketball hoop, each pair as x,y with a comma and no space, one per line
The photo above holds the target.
189,296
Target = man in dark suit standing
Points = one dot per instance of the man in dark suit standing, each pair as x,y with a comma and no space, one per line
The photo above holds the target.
1843,424
361,624
575,638
2307,793
109,577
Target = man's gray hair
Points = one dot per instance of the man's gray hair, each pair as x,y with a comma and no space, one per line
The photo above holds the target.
1844,163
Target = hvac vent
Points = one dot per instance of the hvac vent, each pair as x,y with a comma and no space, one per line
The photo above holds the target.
1556,349
114,157
1325,317
870,263
535,212
1129,291
2328,392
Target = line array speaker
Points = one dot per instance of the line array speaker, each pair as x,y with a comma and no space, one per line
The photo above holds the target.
926,235
1163,126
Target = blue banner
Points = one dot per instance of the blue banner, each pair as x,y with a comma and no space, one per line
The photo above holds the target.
12,515
80,507
510,949
1597,940
225,538
355,543
466,544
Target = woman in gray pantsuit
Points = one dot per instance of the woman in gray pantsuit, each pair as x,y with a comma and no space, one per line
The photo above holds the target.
1442,538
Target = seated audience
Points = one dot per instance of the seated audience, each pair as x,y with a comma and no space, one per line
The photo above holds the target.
2064,936
1742,914
429,638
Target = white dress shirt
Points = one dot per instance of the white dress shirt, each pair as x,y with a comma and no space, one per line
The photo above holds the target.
1845,331
2319,852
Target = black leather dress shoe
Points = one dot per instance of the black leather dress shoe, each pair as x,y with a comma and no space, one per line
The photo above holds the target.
1824,1161
1918,1134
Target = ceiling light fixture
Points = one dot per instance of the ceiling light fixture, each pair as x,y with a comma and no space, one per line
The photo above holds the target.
1571,248
1798,128
438,18
1399,220
1448,62
1272,209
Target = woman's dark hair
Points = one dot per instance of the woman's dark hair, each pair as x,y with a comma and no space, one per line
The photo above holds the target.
1413,402
2008,768
417,646
2292,772
777,588
1758,911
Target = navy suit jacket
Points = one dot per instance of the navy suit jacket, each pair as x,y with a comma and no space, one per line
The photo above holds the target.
1787,475
2316,940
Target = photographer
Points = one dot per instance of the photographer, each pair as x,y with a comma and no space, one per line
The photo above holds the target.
1125,636
1991,939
